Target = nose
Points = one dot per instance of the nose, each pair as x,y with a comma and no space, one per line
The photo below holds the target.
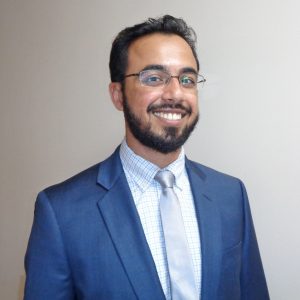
172,90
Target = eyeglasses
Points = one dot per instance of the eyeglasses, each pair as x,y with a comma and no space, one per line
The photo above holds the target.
160,78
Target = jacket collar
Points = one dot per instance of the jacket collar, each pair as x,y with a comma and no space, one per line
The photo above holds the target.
120,215
209,222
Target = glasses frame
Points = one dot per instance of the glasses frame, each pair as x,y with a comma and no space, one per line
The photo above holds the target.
200,78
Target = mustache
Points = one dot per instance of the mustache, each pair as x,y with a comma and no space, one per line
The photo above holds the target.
153,107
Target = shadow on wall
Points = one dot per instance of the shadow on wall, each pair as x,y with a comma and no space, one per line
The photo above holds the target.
21,287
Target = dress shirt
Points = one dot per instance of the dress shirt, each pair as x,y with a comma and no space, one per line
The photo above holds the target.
146,192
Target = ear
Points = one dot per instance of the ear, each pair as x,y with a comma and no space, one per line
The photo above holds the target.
116,95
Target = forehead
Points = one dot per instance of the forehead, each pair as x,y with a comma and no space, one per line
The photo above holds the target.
168,50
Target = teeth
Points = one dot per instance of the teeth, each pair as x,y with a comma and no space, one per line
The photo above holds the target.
168,116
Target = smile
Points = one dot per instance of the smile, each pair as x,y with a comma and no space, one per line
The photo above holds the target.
168,116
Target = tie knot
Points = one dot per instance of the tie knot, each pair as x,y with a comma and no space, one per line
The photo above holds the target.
165,178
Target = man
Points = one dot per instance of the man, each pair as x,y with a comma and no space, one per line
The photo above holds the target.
118,230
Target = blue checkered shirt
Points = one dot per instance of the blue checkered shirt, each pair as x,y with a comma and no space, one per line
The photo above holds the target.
146,194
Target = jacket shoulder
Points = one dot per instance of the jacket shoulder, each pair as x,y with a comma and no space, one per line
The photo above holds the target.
74,186
210,174
85,182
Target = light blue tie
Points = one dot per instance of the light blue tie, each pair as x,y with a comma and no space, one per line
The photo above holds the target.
180,266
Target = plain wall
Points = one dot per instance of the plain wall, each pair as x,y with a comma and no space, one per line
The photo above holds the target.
56,116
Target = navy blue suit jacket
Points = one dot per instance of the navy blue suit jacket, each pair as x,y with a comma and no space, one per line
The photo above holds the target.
87,240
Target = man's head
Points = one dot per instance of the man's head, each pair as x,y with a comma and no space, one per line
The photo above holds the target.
165,25
154,70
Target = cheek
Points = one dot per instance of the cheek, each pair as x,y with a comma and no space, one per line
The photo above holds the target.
196,104
193,102
141,99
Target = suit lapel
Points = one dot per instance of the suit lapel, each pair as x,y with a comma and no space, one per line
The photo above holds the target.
122,221
209,222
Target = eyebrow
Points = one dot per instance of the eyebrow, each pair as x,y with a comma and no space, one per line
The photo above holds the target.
155,67
189,70
163,68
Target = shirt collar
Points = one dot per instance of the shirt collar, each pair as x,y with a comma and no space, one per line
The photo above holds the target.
142,171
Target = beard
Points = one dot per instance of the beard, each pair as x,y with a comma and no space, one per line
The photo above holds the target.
172,138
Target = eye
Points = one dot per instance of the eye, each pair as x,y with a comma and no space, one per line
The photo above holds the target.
188,80
152,78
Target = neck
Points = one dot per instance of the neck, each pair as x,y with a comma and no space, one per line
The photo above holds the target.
160,159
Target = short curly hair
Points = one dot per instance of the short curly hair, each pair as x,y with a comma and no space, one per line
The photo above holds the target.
166,25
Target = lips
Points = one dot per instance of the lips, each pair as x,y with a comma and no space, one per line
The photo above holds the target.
169,111
168,116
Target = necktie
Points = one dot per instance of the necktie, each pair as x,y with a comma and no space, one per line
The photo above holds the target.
180,267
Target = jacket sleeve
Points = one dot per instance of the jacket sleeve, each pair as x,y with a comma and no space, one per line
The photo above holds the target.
253,282
48,275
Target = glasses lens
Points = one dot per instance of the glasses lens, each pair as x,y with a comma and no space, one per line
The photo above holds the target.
158,78
188,80
153,77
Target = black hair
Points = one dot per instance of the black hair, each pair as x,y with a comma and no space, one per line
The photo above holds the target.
165,25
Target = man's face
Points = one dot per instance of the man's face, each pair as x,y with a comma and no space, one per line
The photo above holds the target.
160,118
